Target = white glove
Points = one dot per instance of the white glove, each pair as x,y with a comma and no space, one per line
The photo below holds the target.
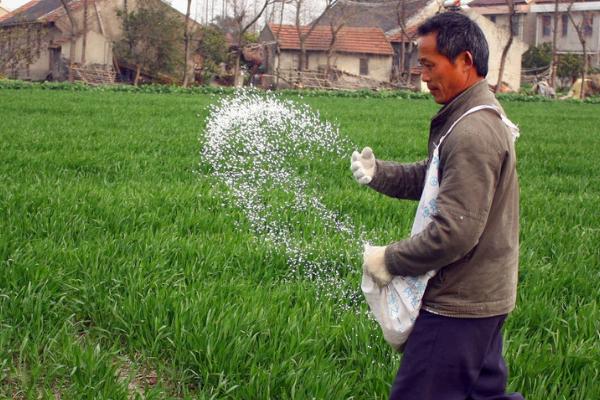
374,264
363,165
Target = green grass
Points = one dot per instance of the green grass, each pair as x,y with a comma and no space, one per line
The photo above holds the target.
120,265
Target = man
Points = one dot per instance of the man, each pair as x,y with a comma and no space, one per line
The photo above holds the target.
472,242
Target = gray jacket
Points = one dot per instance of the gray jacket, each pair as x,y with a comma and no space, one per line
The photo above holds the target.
473,241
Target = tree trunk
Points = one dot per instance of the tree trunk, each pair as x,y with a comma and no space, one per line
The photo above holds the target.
507,47
554,50
186,44
581,36
330,52
138,72
277,48
401,61
502,64
241,30
584,71
407,81
401,19
73,38
236,69
302,64
85,31
302,37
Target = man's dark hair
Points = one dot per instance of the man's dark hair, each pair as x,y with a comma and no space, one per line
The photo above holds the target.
457,33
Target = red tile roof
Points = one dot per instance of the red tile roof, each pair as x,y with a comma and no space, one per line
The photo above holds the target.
349,39
38,11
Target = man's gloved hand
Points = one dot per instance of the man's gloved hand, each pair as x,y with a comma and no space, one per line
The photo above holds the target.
363,165
374,264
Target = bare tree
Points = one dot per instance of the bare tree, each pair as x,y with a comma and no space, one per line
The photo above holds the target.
73,36
511,17
554,61
277,69
334,29
151,40
337,22
303,36
401,11
20,46
186,47
579,28
244,20
85,31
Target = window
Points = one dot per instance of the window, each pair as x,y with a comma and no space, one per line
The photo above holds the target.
546,25
565,24
588,24
364,66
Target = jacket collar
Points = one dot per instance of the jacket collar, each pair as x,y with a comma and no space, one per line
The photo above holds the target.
474,94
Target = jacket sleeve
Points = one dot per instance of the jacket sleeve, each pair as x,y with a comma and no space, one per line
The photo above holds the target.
403,181
469,171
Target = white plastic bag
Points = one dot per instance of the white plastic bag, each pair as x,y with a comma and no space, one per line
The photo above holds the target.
395,306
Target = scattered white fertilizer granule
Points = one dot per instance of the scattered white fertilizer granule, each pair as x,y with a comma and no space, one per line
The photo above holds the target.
262,147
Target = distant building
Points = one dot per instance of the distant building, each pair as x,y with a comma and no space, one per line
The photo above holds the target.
400,19
49,19
361,51
534,23
389,16
586,15
49,25
497,11
497,37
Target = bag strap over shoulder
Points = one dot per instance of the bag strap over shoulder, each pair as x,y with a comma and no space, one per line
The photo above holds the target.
514,129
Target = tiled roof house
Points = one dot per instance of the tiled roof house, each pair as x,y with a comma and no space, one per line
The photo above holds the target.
52,24
387,15
104,28
391,17
363,51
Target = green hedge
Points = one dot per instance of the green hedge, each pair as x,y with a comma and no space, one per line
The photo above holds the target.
362,93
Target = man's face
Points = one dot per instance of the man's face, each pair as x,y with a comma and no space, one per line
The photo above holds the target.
445,79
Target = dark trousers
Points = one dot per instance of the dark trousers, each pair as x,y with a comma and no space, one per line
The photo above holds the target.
453,359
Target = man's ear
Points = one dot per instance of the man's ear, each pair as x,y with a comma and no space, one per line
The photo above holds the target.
467,60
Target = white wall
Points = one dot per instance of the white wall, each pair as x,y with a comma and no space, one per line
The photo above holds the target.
98,49
571,42
380,67
497,39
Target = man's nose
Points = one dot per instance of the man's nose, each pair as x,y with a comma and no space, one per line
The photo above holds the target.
425,76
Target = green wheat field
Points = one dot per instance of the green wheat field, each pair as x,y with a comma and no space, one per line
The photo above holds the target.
124,273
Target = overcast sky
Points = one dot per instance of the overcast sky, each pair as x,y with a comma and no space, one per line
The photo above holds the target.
178,4
212,8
